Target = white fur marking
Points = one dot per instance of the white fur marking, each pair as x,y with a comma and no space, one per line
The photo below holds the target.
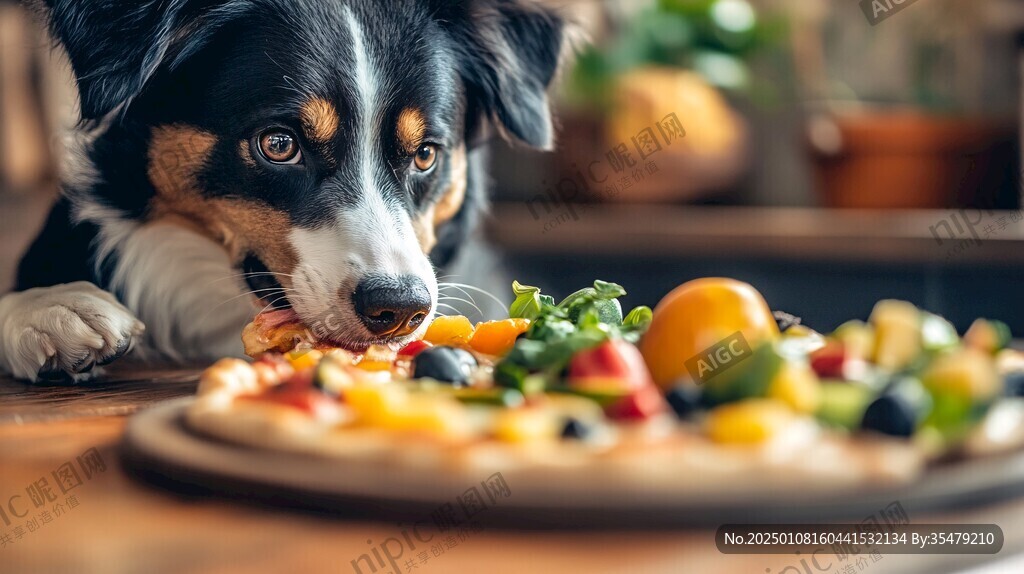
373,237
177,281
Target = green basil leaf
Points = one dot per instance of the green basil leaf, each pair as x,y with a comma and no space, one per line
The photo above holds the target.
639,317
606,290
527,304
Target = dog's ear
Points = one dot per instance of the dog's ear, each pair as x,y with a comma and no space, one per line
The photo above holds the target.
509,52
116,46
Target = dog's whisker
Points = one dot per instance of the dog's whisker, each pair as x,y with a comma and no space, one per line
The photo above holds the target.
209,312
461,300
271,304
460,290
446,306
500,303
249,274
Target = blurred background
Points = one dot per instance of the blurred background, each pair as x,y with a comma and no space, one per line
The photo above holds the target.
832,153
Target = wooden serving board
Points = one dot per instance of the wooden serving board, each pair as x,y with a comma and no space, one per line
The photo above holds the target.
158,447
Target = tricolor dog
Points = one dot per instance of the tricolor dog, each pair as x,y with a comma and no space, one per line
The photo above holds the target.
321,155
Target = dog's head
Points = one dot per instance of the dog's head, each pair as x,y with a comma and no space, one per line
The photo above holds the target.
323,142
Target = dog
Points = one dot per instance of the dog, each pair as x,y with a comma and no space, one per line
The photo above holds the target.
323,156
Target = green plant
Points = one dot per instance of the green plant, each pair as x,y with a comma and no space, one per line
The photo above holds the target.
714,38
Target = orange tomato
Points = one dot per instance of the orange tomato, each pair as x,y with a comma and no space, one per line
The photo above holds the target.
455,331
497,337
696,316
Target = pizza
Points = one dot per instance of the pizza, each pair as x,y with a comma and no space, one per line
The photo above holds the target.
709,392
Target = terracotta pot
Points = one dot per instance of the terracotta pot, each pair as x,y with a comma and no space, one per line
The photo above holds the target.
905,159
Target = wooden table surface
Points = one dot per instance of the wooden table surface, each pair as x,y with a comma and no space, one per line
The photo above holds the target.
109,522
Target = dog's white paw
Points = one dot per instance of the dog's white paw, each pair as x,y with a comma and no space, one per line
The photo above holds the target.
63,331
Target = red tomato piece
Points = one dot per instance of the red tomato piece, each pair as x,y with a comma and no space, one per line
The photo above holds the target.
414,348
828,361
638,405
302,378
614,365
303,397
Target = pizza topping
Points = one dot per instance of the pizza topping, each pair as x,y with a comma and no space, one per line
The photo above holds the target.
557,333
829,361
749,378
333,375
614,365
414,348
1014,384
685,400
796,385
899,410
897,334
967,373
525,425
937,334
699,315
303,358
748,422
987,335
858,339
393,407
268,375
608,309
300,396
279,331
842,404
576,429
232,375
497,337
639,405
302,377
445,364
449,330
579,370
497,397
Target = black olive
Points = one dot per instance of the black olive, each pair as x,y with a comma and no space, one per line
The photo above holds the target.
1014,384
446,364
684,399
898,410
575,429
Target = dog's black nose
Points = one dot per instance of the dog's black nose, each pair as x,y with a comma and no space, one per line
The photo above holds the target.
392,306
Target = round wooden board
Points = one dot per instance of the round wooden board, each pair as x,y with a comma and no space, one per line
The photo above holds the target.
159,448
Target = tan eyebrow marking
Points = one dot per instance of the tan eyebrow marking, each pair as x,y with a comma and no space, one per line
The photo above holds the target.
411,129
319,120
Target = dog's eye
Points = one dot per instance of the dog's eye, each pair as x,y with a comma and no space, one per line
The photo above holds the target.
426,157
280,146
